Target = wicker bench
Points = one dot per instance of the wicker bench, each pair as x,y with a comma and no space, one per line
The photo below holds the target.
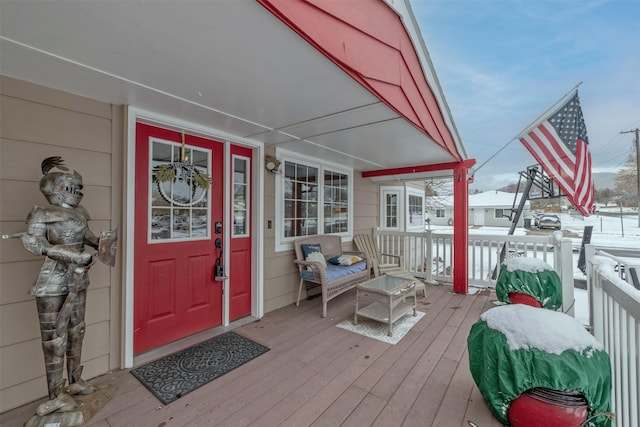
333,279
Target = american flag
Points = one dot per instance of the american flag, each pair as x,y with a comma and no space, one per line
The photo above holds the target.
560,144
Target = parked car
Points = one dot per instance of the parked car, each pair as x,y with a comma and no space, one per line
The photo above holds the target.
549,221
537,216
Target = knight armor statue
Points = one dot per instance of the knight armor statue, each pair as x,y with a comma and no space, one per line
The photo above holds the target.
60,233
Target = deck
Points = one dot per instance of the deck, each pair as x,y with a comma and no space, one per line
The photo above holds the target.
319,375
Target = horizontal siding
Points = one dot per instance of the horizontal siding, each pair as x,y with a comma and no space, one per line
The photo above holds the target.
28,121
35,123
95,167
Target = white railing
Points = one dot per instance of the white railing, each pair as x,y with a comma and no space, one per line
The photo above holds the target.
430,255
615,322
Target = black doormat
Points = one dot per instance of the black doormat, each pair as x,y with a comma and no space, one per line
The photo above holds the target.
174,376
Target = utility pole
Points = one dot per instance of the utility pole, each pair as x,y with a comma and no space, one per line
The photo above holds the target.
637,132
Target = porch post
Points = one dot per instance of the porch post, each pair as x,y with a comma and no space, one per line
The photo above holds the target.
460,230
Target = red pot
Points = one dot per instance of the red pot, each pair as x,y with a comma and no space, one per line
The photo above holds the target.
543,407
519,298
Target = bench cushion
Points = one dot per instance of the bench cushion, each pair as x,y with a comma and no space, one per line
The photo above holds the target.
335,272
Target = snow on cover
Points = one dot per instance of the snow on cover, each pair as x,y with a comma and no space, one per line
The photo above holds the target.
607,269
546,330
526,264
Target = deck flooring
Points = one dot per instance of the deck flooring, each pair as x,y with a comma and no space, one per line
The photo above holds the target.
316,374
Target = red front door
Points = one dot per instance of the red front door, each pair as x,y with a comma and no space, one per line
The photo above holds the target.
175,294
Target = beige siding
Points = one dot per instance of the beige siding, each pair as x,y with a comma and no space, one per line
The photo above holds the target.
366,210
280,274
35,123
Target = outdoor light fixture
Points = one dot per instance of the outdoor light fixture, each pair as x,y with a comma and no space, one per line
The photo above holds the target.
271,164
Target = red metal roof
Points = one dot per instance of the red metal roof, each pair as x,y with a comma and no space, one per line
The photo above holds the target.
368,40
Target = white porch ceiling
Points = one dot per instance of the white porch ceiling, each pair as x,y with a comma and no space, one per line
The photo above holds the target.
228,65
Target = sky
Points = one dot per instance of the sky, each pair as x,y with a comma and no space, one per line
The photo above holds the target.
503,63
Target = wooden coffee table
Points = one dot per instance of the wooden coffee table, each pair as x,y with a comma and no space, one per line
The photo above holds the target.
385,299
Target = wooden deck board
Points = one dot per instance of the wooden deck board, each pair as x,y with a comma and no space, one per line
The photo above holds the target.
427,403
316,374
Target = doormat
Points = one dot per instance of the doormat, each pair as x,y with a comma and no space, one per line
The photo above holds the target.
378,330
174,376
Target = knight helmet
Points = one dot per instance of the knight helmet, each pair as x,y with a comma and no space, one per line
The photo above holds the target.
60,188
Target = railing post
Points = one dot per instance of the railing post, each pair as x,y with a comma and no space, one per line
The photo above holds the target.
563,263
429,257
594,293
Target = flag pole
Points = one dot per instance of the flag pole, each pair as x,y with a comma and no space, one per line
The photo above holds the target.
474,170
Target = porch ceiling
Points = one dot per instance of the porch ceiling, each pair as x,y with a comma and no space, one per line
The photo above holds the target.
229,65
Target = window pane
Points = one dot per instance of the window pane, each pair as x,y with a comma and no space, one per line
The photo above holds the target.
181,223
239,222
199,223
160,221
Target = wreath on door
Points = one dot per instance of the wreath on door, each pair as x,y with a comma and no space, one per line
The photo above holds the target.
185,172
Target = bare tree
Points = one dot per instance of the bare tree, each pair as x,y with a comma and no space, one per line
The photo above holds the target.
626,184
438,194
606,195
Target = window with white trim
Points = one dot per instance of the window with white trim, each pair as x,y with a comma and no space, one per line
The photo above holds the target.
315,199
440,213
498,213
392,208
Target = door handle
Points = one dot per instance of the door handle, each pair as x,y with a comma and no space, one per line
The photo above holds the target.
219,268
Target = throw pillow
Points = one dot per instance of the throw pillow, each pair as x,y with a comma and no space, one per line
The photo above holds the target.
348,259
317,257
310,248
334,260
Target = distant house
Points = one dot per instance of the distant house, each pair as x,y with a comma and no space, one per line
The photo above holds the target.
491,208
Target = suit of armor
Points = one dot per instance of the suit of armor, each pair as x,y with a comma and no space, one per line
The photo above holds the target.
60,232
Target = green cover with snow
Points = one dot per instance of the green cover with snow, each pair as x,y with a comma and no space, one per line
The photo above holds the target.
531,277
512,349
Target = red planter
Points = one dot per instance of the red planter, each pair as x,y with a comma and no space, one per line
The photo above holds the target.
519,298
543,407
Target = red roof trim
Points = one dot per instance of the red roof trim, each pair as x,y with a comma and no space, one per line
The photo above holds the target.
419,169
368,40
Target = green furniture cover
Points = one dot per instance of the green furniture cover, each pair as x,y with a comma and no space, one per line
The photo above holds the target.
515,347
530,276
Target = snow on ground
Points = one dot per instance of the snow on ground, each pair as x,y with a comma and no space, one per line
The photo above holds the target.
607,230
611,231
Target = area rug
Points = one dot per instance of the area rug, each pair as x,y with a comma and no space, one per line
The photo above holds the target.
174,376
378,330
